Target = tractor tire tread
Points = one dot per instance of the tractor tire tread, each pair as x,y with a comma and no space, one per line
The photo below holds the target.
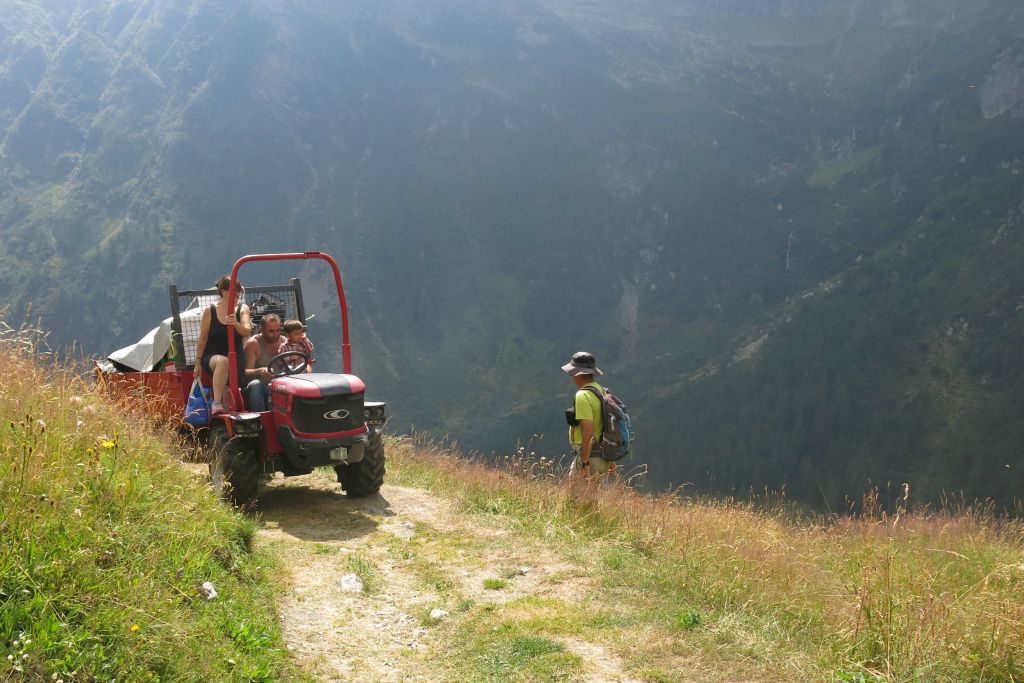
364,478
241,468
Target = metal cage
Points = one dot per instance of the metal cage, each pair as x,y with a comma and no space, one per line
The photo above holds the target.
187,306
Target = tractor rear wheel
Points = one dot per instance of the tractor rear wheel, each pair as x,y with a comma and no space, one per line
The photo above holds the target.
364,478
234,467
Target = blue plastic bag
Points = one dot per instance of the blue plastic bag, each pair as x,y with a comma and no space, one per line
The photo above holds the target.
197,408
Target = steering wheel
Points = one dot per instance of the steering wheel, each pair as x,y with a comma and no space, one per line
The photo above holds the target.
279,368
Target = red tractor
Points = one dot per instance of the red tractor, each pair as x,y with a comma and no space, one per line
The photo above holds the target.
315,419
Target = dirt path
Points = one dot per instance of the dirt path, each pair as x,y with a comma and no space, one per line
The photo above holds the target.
414,554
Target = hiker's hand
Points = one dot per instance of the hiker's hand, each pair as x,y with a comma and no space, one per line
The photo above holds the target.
229,319
264,374
585,469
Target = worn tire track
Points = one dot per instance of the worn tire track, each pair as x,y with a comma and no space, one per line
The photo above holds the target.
385,633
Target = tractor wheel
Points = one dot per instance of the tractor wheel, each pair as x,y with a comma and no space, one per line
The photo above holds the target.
364,478
234,467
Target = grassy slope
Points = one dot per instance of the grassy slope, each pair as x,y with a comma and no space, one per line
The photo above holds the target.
107,542
712,591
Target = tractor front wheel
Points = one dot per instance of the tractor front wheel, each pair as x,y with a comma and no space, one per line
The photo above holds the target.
364,478
234,467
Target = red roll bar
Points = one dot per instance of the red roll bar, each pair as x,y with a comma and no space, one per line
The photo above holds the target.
346,351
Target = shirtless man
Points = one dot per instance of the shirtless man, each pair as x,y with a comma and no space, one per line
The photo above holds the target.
259,349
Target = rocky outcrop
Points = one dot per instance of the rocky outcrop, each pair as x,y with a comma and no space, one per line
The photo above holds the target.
1003,89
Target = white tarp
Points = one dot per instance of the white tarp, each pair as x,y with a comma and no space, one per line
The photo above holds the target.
145,353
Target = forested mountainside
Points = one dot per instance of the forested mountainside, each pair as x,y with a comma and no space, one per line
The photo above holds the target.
790,230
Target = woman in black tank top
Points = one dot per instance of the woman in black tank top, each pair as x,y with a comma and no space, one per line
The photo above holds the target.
212,348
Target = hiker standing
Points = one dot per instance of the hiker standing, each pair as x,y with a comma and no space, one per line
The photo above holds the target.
586,414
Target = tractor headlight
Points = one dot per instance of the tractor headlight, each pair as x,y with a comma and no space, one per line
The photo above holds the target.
375,413
245,424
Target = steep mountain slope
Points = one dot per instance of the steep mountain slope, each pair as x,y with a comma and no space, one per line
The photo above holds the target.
772,221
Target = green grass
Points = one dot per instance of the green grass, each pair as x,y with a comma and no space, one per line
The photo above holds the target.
506,651
688,620
324,549
365,568
108,541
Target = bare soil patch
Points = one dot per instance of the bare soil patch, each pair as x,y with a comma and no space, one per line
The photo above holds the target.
385,633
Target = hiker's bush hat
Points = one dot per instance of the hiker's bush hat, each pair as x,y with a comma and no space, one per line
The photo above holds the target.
582,363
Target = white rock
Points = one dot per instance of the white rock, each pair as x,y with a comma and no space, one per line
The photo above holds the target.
437,614
207,590
523,571
351,583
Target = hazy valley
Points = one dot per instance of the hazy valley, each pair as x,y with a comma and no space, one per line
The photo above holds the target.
789,230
